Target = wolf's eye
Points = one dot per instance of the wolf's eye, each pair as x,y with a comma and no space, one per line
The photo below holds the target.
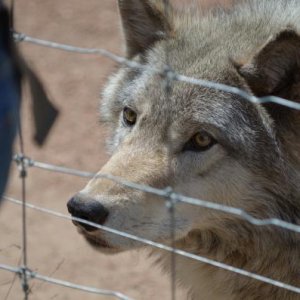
201,141
129,116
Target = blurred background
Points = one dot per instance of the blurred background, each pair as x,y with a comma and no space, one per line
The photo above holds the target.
77,140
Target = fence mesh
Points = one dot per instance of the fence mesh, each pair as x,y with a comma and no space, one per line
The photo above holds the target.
168,195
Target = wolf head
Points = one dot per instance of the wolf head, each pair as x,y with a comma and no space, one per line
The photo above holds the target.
202,142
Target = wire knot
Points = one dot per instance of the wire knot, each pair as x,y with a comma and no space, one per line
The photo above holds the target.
172,198
23,163
21,158
169,74
18,37
24,274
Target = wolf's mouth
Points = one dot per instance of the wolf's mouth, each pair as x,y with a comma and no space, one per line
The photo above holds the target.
97,242
86,227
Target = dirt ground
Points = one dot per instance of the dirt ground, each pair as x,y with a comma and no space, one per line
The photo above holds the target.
74,82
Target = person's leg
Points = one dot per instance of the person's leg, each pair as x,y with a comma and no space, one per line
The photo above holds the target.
9,110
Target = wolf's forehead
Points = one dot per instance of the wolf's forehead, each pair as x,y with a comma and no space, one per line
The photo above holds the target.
184,102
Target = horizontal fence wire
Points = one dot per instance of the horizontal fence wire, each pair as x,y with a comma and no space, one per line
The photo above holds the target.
164,193
34,275
21,37
163,247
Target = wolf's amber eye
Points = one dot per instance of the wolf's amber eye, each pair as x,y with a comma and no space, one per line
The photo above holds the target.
201,141
129,116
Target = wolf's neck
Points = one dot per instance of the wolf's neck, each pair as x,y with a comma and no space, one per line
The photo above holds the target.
238,245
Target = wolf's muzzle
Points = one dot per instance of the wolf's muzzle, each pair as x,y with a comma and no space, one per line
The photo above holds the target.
88,209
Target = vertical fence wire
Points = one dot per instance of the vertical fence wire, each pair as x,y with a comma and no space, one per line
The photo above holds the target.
168,83
23,176
171,208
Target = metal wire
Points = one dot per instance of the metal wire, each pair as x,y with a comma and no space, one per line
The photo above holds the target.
35,275
171,205
21,37
163,247
23,176
165,193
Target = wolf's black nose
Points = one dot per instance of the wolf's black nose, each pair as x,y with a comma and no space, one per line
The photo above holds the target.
87,209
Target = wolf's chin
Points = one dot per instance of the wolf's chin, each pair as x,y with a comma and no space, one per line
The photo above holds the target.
97,242
101,245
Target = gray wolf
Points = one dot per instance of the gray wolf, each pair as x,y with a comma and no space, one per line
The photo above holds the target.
205,143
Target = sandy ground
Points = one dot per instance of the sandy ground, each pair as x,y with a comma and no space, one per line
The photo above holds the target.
77,140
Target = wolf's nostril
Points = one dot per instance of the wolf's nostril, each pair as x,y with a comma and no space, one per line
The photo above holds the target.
89,210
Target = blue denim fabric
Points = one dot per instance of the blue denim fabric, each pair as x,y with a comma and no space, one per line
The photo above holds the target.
9,112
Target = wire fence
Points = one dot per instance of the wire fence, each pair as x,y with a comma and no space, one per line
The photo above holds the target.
168,195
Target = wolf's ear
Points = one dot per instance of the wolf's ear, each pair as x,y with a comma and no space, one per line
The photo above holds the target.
144,22
275,70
